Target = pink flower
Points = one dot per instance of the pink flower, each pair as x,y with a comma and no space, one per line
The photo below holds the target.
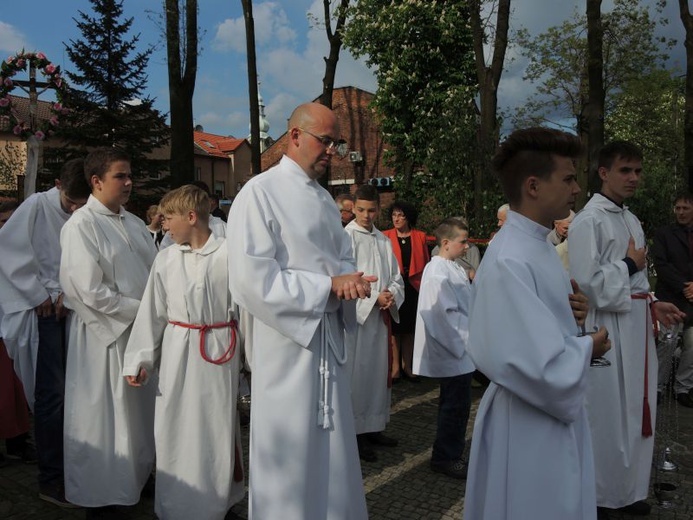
4,101
58,82
8,82
50,68
9,60
41,56
57,107
40,135
17,130
21,63
54,121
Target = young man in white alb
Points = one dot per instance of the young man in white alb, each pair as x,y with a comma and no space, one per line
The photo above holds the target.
368,359
106,256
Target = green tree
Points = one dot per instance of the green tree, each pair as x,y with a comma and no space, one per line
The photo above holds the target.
423,57
559,66
649,111
108,107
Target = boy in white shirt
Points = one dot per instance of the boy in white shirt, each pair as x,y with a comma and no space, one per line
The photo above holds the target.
107,253
187,328
368,347
442,329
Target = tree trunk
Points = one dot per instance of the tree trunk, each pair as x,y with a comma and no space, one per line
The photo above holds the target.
594,110
252,86
335,40
181,85
687,20
488,78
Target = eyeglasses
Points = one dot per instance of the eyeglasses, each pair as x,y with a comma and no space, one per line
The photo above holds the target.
339,147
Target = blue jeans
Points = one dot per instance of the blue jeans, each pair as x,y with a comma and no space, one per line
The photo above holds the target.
453,413
49,395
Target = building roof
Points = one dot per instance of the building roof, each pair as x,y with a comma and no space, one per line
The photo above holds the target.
216,145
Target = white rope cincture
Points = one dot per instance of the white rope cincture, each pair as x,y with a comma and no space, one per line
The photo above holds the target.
327,342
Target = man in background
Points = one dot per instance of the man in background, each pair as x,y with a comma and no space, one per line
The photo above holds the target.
673,260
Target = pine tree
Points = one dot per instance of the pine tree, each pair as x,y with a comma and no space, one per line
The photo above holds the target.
108,107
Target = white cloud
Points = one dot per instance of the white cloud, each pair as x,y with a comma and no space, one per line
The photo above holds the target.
272,27
11,39
230,35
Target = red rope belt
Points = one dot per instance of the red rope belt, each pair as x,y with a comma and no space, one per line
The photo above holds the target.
646,414
228,354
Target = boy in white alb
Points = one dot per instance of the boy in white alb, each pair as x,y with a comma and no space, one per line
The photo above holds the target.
442,330
368,348
106,256
34,322
186,327
531,454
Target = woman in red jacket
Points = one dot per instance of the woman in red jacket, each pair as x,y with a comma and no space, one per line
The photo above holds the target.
411,250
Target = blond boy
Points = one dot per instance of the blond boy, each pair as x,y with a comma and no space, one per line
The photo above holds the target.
186,328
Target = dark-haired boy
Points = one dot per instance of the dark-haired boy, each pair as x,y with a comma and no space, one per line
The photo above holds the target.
33,326
531,454
107,253
607,252
367,348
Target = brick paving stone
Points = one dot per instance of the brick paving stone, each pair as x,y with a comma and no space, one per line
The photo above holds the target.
400,484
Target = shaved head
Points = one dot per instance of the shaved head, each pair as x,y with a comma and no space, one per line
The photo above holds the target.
305,115
309,125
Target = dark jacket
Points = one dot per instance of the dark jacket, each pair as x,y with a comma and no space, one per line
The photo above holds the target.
674,265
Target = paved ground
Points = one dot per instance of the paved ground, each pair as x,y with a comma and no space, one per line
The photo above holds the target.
400,486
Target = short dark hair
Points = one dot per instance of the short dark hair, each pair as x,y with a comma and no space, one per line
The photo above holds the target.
447,229
73,181
8,205
367,192
409,210
98,161
685,196
615,149
528,152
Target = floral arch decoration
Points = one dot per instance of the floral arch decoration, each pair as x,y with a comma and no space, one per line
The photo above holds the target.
19,62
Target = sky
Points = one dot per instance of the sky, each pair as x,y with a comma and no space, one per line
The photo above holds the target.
289,47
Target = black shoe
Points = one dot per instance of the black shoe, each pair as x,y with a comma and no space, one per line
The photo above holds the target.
602,513
55,494
684,399
639,508
455,469
412,378
366,451
380,439
149,487
24,452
